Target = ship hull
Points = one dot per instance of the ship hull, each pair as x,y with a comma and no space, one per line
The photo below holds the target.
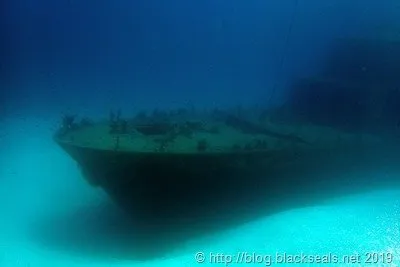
168,189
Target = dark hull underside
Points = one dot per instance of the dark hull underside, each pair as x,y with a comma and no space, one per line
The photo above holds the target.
163,189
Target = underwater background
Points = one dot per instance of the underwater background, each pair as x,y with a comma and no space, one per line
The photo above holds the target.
87,57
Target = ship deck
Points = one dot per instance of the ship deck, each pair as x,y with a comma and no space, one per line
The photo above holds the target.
211,137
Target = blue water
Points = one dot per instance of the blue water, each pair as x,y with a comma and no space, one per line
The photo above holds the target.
87,57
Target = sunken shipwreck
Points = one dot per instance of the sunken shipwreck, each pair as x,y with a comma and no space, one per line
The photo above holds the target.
178,165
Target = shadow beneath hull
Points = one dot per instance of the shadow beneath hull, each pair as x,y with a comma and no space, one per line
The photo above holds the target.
106,232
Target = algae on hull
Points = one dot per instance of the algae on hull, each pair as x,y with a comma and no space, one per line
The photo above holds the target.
232,135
